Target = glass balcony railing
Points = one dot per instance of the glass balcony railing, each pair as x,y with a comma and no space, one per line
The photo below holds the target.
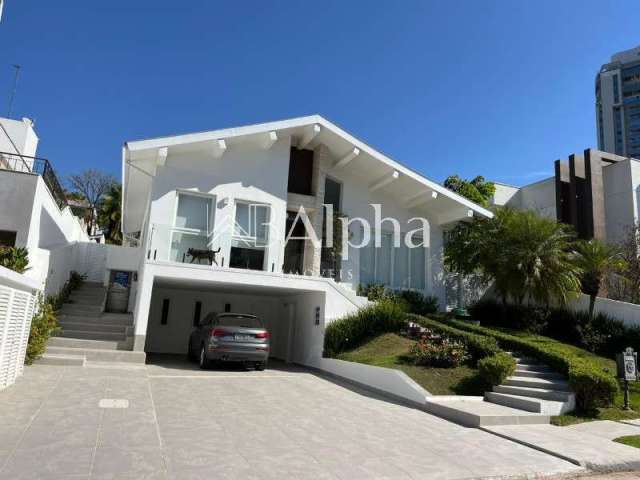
171,244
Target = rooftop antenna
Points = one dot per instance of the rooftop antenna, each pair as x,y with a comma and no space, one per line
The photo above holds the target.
13,92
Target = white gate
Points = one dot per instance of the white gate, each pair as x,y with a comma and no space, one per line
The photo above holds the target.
17,303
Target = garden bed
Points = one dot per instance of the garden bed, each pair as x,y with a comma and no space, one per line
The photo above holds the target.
389,350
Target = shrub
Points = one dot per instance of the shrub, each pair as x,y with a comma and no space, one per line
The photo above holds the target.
438,351
495,369
351,331
530,318
44,322
417,302
373,291
43,325
14,258
592,384
478,346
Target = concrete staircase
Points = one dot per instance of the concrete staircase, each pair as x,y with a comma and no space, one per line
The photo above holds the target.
530,396
89,336
534,388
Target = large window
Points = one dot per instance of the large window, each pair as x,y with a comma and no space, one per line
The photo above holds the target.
396,267
193,225
250,236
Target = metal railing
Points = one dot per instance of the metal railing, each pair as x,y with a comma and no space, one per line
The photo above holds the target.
37,166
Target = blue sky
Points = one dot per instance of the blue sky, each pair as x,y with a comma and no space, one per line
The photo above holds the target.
498,88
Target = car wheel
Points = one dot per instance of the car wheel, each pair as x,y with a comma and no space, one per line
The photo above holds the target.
203,360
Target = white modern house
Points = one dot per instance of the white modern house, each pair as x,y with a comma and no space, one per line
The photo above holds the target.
239,192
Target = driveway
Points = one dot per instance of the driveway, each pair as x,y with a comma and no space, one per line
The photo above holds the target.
182,423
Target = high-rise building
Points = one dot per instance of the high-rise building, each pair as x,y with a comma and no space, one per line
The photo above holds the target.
618,104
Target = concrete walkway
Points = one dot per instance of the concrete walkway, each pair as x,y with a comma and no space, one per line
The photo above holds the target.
183,423
589,444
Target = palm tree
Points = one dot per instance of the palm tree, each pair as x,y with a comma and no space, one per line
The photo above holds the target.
537,259
595,259
109,214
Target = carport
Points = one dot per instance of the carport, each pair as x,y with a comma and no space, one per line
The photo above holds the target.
294,317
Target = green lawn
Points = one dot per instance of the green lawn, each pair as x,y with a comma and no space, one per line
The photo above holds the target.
631,440
388,349
614,412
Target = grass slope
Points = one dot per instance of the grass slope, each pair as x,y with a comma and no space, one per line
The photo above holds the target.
388,349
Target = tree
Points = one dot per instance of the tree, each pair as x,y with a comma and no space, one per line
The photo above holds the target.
14,258
477,190
525,255
92,185
596,259
109,213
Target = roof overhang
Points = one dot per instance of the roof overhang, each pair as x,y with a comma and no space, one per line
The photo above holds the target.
415,191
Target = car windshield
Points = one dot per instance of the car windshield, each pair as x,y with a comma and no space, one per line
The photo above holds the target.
239,321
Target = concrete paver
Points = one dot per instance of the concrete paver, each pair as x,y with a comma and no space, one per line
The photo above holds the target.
281,423
578,445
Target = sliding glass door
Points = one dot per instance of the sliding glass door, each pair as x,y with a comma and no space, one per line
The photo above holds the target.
192,226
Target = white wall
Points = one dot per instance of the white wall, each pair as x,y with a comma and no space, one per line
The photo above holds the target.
17,195
22,134
17,304
541,197
628,313
504,194
619,199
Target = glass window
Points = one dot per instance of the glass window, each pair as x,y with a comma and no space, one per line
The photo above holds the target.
383,259
194,212
367,266
401,266
252,221
417,258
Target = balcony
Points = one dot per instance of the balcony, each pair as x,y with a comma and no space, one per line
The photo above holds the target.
36,166
173,244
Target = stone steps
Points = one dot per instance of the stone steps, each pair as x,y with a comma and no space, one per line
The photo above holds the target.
61,359
541,393
99,354
93,327
85,343
81,310
537,374
91,335
536,382
125,319
530,404
476,412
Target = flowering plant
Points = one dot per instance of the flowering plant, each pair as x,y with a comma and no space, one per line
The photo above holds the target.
437,351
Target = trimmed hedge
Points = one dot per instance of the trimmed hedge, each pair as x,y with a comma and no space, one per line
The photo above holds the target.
594,387
603,335
478,346
351,331
495,369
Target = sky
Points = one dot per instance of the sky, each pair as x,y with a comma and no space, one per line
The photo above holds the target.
475,87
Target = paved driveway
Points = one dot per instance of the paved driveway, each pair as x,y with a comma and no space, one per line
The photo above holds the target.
278,424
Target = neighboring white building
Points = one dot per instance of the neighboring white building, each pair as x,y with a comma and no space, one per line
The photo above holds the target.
595,192
201,191
34,213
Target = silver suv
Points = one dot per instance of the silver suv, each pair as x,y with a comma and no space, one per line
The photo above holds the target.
230,337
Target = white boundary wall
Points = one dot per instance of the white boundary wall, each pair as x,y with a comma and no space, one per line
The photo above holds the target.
628,313
387,381
17,304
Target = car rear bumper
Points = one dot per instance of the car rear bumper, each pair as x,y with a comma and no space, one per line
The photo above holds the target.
230,354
